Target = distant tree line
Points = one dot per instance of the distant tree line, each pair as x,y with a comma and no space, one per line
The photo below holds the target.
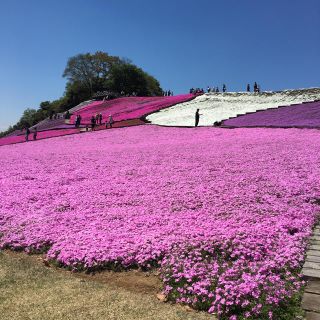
86,74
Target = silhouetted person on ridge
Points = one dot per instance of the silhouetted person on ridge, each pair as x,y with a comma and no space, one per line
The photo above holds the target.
255,87
224,88
248,87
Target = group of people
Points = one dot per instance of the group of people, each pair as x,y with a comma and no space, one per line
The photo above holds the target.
54,116
167,93
256,88
78,121
97,120
28,132
196,91
216,89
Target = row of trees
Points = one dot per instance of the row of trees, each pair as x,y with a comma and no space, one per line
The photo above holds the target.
87,74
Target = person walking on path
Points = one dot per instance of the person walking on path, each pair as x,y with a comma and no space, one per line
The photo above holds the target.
27,134
100,119
35,132
197,117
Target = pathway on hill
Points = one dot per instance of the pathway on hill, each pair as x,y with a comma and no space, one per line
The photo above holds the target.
311,270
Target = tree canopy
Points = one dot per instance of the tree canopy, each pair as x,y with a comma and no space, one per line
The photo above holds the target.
88,73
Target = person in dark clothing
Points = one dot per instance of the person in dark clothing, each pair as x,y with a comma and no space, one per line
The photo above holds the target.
197,117
93,123
76,123
255,87
67,115
248,87
27,134
35,132
224,88
100,119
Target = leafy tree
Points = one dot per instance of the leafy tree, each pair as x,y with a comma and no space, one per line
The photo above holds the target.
128,78
90,70
45,105
28,118
88,73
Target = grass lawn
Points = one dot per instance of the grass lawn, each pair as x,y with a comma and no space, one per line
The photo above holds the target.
30,290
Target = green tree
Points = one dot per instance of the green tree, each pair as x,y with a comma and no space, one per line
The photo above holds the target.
90,70
128,78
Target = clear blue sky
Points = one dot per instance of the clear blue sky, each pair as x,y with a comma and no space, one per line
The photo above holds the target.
182,43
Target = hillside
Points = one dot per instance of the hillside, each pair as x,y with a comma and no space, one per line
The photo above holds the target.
222,106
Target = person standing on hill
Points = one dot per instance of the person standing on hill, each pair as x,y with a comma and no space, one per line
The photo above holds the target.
35,132
248,87
27,134
93,122
111,121
100,119
224,88
197,117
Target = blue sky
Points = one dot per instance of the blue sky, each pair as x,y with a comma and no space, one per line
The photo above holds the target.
182,43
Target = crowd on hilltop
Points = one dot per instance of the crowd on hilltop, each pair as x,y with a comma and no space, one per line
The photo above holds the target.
167,93
196,91
216,89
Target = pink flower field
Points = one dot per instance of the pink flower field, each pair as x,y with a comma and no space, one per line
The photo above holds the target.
224,214
41,135
129,107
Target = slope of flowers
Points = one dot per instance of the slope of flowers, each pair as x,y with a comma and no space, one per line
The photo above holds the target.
221,106
302,115
224,213
41,135
129,108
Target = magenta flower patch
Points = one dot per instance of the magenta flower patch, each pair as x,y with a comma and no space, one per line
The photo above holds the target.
128,108
305,115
